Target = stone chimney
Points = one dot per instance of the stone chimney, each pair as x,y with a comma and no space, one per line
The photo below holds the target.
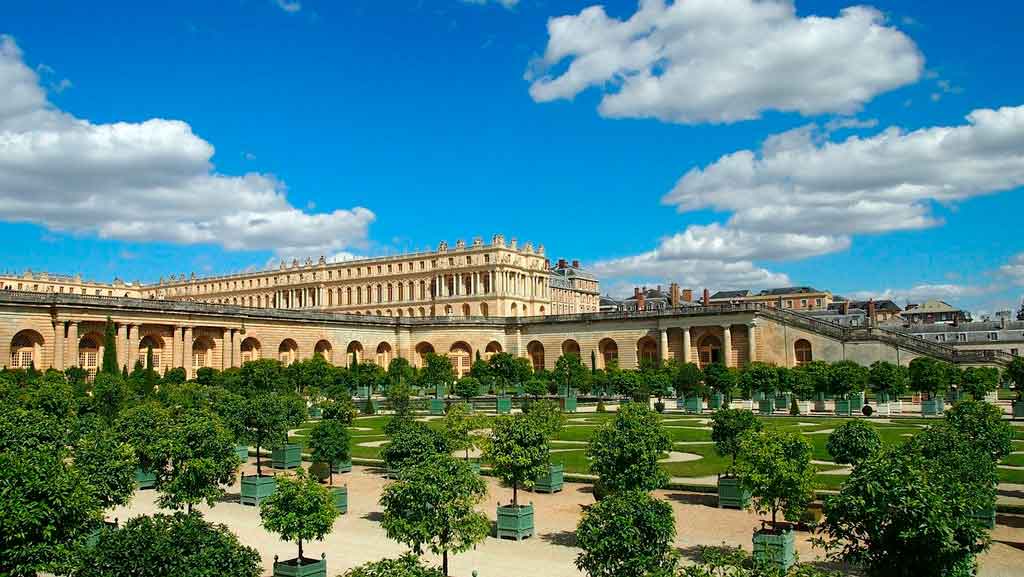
871,312
688,295
673,295
844,307
575,263
706,299
641,299
561,263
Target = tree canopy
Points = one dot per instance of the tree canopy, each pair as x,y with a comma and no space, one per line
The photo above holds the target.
624,452
517,452
627,534
776,467
727,427
852,442
299,510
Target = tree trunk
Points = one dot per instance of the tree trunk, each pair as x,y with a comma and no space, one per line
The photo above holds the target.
300,551
515,496
444,562
330,474
259,462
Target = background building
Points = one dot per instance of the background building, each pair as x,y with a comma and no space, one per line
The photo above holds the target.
798,298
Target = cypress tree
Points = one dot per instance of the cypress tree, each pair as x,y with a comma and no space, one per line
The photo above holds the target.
109,349
149,358
124,371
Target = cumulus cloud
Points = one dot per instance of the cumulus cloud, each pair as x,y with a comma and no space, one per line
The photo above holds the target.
923,292
144,181
1014,270
723,60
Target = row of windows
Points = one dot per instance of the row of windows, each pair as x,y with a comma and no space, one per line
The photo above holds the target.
961,337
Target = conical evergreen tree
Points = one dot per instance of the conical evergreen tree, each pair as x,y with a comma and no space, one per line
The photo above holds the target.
109,349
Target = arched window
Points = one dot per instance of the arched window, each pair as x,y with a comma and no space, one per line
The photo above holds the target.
154,343
354,348
571,347
465,310
287,352
536,351
461,357
348,295
383,354
802,352
250,350
202,352
493,348
324,349
483,309
647,350
709,350
89,351
391,295
609,352
422,350
24,346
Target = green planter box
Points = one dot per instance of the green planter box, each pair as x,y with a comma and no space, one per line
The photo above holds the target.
1018,409
243,453
342,467
732,494
782,402
819,402
932,407
860,399
144,479
504,405
552,482
437,406
985,517
286,457
474,464
256,488
775,548
315,412
681,404
301,568
568,404
757,396
694,405
766,406
363,392
843,407
339,496
717,401
515,522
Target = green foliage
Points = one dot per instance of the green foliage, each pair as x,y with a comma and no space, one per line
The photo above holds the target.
776,467
687,378
145,428
508,370
627,534
400,397
329,443
368,407
535,387
459,423
1015,374
979,381
198,460
517,452
720,378
818,375
206,375
169,546
929,376
601,408
299,510
174,376
407,565
886,377
659,383
433,505
411,444
846,377
314,372
31,429
761,377
108,464
263,376
437,372
624,452
570,373
983,425
53,396
109,395
400,371
852,442
343,410
109,364
548,417
467,387
906,510
728,426
268,417
736,562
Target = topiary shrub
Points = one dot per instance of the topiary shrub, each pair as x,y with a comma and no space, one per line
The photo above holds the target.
601,408
659,406
852,442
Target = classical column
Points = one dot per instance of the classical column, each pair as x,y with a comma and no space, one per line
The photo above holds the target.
751,342
73,343
236,347
58,344
664,345
133,345
122,345
727,345
176,350
225,349
186,350
687,355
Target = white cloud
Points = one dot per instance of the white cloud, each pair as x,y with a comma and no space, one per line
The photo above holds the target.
923,292
689,272
1014,270
506,3
290,7
145,181
723,60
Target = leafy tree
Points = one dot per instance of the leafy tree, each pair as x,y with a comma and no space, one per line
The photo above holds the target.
888,378
174,376
267,419
411,444
720,378
727,561
400,398
628,534
801,382
846,377
688,379
983,425
467,388
624,452
535,387
1015,374
108,464
928,376
459,424
329,443
169,546
206,376
548,417
407,565
299,510
438,371
264,376
819,375
109,364
761,377
400,372
507,371
109,395
144,427
433,504
199,459
313,372
852,442
979,381
517,452
728,426
53,396
659,383
570,373
343,410
776,467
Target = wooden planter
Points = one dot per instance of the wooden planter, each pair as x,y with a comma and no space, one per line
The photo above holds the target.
437,406
339,496
1018,409
766,406
144,479
552,482
515,522
315,412
681,404
256,488
304,567
732,494
243,453
717,401
776,548
843,407
287,457
342,467
503,405
568,404
694,404
932,407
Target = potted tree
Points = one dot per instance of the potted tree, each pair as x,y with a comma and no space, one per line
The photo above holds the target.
438,375
816,373
629,534
929,377
299,510
549,419
624,452
433,507
329,444
846,378
199,459
763,378
459,424
411,443
502,369
852,442
785,389
287,455
801,383
231,408
776,467
728,426
983,426
686,380
518,454
466,388
979,382
888,381
144,427
268,417
569,374
1015,375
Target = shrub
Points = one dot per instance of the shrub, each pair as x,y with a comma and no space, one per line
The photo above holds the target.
624,452
776,467
659,406
299,510
728,425
852,442
627,534
407,565
601,408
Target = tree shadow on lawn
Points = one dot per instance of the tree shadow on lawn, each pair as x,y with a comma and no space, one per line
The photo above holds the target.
229,497
705,499
375,516
693,553
562,538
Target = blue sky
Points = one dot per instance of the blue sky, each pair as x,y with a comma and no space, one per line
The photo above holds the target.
445,119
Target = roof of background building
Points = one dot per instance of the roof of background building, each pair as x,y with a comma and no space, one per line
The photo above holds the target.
650,294
730,294
931,307
880,305
788,291
572,272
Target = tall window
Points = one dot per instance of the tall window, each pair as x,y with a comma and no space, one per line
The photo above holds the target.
802,352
